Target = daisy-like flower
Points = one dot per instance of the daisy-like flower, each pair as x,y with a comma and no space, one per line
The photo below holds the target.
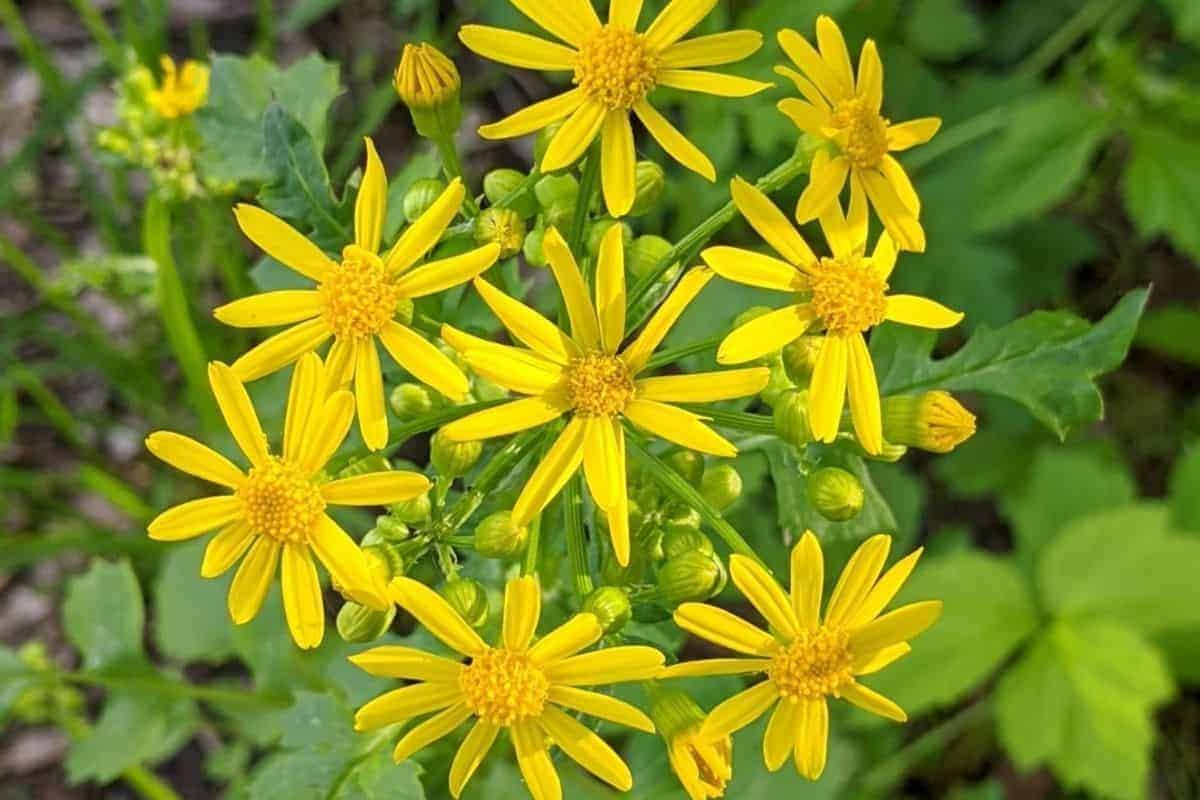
615,68
844,110
181,91
356,299
587,375
520,684
845,295
807,659
275,511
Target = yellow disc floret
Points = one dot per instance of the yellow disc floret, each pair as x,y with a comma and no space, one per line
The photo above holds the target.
503,687
815,664
848,296
863,132
279,501
598,385
615,67
358,296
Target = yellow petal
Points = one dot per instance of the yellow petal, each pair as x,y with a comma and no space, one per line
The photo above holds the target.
573,21
470,755
617,514
558,465
533,759
739,711
723,628
863,389
238,412
885,589
282,242
253,579
681,427
764,594
834,53
766,334
430,731
281,349
846,237
610,289
375,489
580,631
675,21
883,257
770,223
912,133
601,706
368,397
339,364
601,460
754,269
406,663
579,131
420,237
870,76
624,13
436,615
437,276
516,49
403,704
922,312
806,57
812,738
901,183
302,605
190,519
586,748
225,548
806,87
611,665
780,736
370,206
617,160
714,83
706,667
502,420
704,387
899,220
828,389
870,700
522,609
188,455
346,564
584,326
527,325
807,117
874,662
270,308
711,50
535,117
828,176
306,397
328,431
857,578
661,322
427,364
808,580
673,142
894,627
516,369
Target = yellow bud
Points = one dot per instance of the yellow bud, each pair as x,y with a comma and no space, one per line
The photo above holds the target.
933,421
502,226
428,83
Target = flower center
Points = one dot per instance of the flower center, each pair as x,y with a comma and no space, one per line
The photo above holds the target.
358,296
280,502
848,296
503,687
815,664
615,68
599,385
865,132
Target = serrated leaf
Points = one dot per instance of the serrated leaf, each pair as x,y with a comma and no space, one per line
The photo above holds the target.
190,620
1046,361
134,728
103,614
1161,185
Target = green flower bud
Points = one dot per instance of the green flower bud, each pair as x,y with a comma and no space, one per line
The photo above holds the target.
533,247
611,606
453,459
500,183
689,464
777,382
468,598
374,462
800,358
484,389
595,234
420,196
405,308
413,511
497,537
681,540
359,624
412,400
791,417
543,139
387,529
650,181
721,486
645,253
835,493
383,559
429,83
504,227
557,192
682,518
933,421
690,576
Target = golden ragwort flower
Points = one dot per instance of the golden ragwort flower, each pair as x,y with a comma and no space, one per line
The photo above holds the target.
355,300
181,91
615,68
846,112
703,766
844,294
520,684
585,373
806,659
276,510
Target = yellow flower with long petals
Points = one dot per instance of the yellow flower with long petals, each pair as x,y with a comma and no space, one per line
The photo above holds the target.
355,300
806,659
844,295
615,68
181,91
845,110
521,684
276,510
587,375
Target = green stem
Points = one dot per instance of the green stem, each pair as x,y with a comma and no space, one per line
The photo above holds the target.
1087,17
740,420
452,165
576,546
583,203
533,547
665,357
410,429
526,185
491,476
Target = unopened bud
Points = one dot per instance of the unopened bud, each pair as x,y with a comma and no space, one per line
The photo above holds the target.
413,511
611,606
428,83
405,308
689,464
411,400
500,184
650,180
359,624
596,232
383,560
420,196
681,518
388,529
556,190
704,766
933,421
468,598
533,247
503,226
791,417
497,536
835,493
678,541
375,462
690,576
645,254
452,459
800,358
721,486
777,381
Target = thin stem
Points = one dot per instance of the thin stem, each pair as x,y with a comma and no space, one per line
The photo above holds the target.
491,476
453,168
740,420
410,429
526,185
665,357
583,202
533,547
576,546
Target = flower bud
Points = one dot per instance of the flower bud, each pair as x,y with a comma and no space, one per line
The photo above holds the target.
420,196
800,358
933,421
595,235
678,541
374,462
497,537
681,518
502,226
453,459
557,191
645,253
791,417
388,529
533,247
499,184
405,308
359,624
611,606
703,766
411,400
650,180
413,511
468,598
835,493
777,381
689,464
383,560
721,486
428,83
691,575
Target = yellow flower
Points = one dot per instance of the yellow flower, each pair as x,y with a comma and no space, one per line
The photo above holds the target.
806,659
587,375
276,510
425,77
520,684
845,295
614,68
355,300
703,766
933,421
181,91
845,111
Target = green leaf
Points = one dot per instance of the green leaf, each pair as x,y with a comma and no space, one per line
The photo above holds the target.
1123,565
987,603
1040,158
299,189
1081,700
103,614
1172,331
1046,361
190,620
377,777
944,30
1187,18
134,728
16,679
1162,183
1185,491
